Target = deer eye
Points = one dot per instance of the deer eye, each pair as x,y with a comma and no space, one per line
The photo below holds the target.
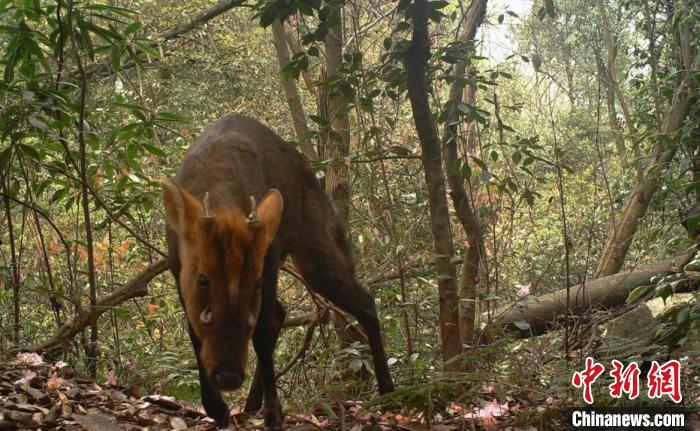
202,282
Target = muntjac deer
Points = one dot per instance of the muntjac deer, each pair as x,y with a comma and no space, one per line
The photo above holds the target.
225,251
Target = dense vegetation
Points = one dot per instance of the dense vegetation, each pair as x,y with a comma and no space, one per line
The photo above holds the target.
468,181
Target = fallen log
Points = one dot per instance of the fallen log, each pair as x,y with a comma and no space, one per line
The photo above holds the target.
536,316
136,287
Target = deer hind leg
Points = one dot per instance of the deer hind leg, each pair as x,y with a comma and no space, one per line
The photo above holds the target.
329,272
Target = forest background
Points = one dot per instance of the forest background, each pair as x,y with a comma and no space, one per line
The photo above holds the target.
484,155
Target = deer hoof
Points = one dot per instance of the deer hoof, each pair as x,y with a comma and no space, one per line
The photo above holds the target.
274,419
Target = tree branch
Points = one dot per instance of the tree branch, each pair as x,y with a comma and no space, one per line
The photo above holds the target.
201,18
136,287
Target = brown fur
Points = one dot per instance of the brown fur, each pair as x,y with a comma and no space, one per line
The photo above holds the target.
234,159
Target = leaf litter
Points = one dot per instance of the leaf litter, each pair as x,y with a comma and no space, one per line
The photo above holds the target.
35,395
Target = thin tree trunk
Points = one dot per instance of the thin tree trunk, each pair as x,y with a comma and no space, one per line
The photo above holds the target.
615,125
92,277
337,146
622,233
612,110
296,108
416,60
336,139
473,18
15,268
614,84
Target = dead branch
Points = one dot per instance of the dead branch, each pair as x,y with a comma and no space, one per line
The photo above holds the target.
136,287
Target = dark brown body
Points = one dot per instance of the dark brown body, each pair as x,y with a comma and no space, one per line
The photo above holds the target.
238,157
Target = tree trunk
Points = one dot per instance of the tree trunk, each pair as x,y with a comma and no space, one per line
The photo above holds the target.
416,60
610,291
614,85
296,108
623,231
92,353
473,18
14,266
615,127
336,139
337,146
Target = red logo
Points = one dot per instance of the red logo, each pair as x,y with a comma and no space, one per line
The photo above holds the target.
661,380
587,377
665,380
626,380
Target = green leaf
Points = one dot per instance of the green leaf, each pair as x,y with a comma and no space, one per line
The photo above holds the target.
517,156
59,195
115,58
132,151
30,151
387,43
34,121
171,116
682,315
133,27
321,121
638,293
5,157
664,290
154,150
124,12
131,106
145,46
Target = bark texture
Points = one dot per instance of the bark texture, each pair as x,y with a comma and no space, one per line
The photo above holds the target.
416,60
336,138
473,18
337,144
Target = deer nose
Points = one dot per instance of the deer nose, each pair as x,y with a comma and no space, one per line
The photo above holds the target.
227,380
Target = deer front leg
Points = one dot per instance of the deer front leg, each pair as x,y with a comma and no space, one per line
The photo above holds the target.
212,401
255,395
264,343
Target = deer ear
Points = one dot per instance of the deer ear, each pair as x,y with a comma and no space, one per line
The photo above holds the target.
181,208
269,212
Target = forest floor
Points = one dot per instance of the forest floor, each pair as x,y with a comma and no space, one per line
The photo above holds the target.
38,395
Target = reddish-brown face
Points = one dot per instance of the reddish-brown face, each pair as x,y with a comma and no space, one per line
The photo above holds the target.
222,257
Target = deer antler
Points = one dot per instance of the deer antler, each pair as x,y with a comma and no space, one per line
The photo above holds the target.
253,216
207,209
